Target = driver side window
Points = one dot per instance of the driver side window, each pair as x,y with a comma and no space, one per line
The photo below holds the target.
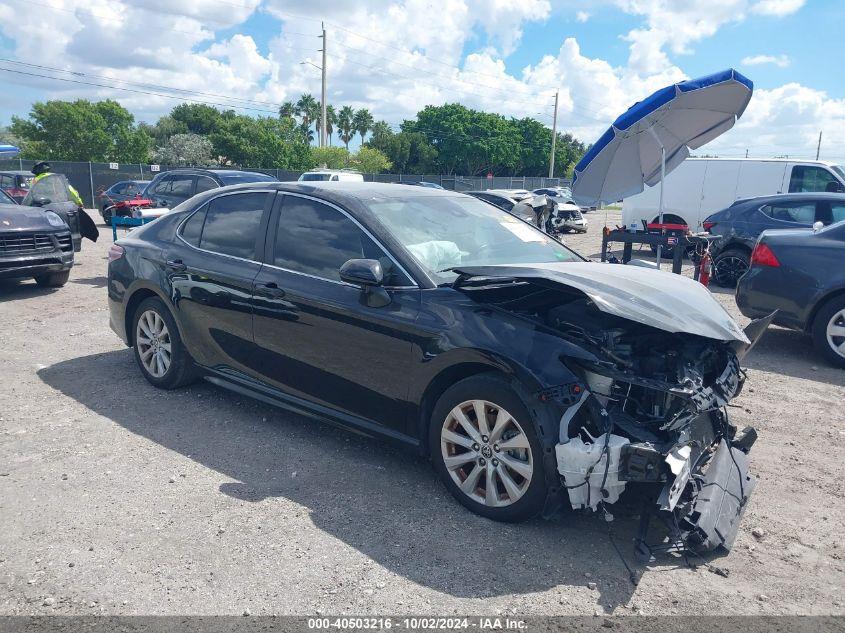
807,178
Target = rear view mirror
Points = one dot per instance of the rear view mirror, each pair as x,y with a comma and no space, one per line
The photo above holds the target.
362,272
40,201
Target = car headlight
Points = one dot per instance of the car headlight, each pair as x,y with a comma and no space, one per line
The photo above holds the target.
54,219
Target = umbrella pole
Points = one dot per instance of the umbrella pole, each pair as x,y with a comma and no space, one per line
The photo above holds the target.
660,206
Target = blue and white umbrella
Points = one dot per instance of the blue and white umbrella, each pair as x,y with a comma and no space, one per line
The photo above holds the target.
9,151
656,134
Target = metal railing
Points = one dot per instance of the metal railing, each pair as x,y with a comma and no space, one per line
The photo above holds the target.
91,179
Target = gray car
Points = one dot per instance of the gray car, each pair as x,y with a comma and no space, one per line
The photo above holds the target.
740,225
799,273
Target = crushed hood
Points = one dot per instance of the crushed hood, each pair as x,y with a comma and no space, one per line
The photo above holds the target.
652,297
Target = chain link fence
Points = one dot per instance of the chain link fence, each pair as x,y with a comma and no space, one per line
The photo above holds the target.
91,179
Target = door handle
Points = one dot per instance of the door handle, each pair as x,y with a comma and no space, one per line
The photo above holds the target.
176,264
270,290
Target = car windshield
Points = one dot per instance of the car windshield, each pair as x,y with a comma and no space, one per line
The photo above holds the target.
305,177
443,232
238,178
839,171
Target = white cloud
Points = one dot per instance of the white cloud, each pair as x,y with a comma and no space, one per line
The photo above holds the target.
396,56
781,61
777,7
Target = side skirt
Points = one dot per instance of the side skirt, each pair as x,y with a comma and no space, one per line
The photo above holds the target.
247,386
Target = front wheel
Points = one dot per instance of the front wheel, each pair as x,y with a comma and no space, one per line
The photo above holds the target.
159,351
486,451
829,331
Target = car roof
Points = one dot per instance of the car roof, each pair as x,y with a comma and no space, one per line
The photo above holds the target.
215,172
15,172
780,197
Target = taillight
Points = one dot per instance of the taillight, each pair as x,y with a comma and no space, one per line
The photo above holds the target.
764,256
708,225
115,252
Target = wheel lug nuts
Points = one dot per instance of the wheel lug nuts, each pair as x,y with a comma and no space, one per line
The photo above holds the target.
485,439
475,447
495,462
496,448
482,461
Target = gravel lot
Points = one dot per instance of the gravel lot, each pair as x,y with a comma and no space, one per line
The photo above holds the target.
117,498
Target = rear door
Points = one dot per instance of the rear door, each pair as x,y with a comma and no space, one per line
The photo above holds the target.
316,338
211,267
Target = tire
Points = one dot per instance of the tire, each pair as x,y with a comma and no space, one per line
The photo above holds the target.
729,266
520,493
160,370
53,280
829,331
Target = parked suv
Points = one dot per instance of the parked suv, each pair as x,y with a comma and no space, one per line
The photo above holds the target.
173,187
741,224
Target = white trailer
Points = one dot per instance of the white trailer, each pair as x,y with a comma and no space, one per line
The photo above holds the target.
699,187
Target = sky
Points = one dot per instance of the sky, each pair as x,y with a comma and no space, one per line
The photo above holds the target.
396,56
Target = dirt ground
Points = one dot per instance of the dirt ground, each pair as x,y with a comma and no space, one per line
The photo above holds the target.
117,498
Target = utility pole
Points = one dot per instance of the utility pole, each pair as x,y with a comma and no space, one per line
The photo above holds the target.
819,146
554,138
746,153
323,103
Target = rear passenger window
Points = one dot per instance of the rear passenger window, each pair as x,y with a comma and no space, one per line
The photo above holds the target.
204,183
232,223
316,239
192,229
802,213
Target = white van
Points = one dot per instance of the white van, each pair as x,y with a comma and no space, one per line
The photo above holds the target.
331,175
699,187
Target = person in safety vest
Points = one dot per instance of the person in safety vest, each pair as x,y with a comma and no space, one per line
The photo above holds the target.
42,169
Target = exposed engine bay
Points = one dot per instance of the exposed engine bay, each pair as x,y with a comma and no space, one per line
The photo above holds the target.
648,410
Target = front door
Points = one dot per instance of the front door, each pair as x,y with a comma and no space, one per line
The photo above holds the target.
315,337
211,267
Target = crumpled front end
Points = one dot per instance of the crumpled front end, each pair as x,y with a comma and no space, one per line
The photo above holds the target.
658,364
653,412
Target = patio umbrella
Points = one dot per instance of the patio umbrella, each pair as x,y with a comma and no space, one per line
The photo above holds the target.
656,134
9,151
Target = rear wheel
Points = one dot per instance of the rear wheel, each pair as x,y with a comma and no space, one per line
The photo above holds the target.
486,451
53,280
729,266
829,331
159,351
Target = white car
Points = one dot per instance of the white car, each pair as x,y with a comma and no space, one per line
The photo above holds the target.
331,175
567,217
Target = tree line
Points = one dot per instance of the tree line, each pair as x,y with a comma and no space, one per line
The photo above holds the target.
448,139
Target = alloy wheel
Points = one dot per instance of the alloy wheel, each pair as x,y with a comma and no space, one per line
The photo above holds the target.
486,453
836,333
729,269
154,346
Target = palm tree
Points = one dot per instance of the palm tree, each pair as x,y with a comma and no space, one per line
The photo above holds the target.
331,119
380,129
307,108
345,125
362,122
287,110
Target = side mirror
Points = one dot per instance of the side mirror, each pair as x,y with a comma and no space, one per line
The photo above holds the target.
40,201
818,226
362,272
368,274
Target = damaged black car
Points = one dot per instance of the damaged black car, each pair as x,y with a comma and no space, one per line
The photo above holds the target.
532,377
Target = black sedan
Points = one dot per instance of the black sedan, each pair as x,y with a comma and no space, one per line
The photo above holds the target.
799,273
528,374
34,243
741,224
